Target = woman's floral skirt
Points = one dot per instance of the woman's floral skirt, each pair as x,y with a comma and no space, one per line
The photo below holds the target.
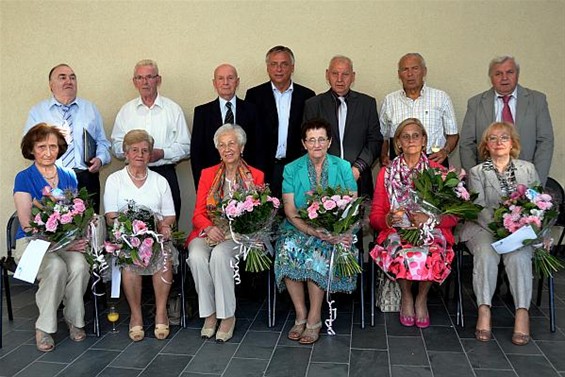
301,257
401,260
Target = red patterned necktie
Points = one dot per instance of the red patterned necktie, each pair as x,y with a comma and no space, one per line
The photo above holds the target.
506,113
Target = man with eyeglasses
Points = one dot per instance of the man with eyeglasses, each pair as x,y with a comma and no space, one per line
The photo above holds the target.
226,108
74,115
162,118
506,101
280,106
354,120
431,106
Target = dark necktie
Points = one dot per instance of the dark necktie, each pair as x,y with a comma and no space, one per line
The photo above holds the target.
229,114
506,113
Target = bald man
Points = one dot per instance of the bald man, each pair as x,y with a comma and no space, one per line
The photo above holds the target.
227,108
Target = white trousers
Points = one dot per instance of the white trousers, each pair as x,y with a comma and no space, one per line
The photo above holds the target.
213,277
518,266
63,277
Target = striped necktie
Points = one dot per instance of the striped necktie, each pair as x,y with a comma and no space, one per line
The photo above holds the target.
229,114
69,157
341,118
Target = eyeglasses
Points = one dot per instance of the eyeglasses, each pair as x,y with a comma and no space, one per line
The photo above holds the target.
320,140
495,139
407,137
145,78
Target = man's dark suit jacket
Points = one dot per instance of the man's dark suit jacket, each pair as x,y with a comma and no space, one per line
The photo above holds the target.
363,138
267,130
207,120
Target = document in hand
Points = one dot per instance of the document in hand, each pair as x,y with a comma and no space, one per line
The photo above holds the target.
89,147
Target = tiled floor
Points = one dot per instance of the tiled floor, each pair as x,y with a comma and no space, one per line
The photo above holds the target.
388,349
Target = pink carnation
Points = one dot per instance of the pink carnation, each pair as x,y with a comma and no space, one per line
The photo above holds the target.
276,202
248,205
135,241
329,205
543,201
38,219
148,242
111,247
232,209
79,206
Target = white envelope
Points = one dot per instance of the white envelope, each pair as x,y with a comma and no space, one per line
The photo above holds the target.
28,267
515,240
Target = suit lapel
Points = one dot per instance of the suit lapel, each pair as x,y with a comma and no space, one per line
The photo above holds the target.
521,108
492,181
332,171
216,113
302,170
487,107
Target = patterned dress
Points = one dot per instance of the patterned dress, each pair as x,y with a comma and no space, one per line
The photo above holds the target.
301,257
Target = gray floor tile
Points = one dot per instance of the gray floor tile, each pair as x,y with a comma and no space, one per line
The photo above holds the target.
116,342
121,372
166,365
487,355
410,371
332,349
495,373
212,358
450,364
440,338
14,339
526,365
185,342
19,359
69,350
364,361
407,351
139,354
554,352
394,328
245,368
89,364
257,345
369,337
504,338
39,368
327,370
289,361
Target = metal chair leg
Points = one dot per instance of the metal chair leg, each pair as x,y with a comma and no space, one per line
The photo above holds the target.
1,300
551,304
182,271
269,307
460,314
8,295
373,282
96,319
362,289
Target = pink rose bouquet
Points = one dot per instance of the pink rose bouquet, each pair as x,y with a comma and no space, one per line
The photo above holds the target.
133,237
529,207
251,213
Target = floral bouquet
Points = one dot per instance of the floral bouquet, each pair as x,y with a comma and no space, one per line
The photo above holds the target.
438,191
529,207
61,216
335,211
251,213
133,237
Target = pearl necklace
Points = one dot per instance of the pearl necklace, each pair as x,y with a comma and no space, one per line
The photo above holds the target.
137,178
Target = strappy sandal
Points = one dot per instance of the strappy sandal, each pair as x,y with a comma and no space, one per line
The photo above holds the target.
520,339
76,334
311,334
297,330
43,341
483,335
136,333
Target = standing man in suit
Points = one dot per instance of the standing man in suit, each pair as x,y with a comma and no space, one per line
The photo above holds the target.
227,108
73,115
162,118
431,106
356,136
280,106
509,102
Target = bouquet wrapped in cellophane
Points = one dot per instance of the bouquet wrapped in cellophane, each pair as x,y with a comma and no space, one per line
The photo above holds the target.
529,207
336,211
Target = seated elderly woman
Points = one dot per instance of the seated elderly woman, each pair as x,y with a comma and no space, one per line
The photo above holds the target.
63,274
149,189
387,215
210,245
498,176
315,169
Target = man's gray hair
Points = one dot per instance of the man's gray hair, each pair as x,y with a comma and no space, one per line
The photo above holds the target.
501,59
239,134
415,55
341,58
276,50
144,63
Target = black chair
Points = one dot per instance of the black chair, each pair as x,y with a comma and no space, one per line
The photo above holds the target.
553,188
8,264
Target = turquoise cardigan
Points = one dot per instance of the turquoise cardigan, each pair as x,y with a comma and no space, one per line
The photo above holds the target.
296,181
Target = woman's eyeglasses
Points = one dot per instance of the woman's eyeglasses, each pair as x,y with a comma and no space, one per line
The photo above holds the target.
414,136
495,139
320,140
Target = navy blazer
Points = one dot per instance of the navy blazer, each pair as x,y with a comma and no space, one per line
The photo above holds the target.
267,130
207,120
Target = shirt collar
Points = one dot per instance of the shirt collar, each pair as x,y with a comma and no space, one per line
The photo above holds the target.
158,102
223,102
422,92
53,102
513,94
288,90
